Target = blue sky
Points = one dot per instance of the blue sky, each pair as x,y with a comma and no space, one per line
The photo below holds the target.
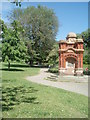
72,16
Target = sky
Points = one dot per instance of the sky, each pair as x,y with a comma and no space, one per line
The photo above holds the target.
72,16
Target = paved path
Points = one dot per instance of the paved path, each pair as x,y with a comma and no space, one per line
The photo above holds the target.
78,87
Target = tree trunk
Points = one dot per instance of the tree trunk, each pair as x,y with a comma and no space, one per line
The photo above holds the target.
31,63
8,65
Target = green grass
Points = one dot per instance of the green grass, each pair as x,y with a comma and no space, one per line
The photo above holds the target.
24,99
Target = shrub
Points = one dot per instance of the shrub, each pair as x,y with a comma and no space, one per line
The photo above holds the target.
53,69
86,71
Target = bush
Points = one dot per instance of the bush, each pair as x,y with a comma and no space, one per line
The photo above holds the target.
86,71
53,69
86,59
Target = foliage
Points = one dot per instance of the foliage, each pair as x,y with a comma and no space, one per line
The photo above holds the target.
86,72
86,59
54,69
52,58
86,69
13,47
17,3
0,39
86,38
41,27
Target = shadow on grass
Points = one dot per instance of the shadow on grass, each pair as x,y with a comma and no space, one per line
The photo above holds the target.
39,66
8,80
16,95
17,65
11,69
26,65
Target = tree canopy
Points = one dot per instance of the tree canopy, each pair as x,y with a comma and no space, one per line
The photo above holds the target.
86,37
13,47
52,58
41,26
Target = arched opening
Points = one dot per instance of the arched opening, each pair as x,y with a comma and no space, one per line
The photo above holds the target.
71,65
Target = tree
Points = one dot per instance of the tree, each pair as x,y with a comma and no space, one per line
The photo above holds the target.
17,3
41,27
86,37
52,58
0,39
13,47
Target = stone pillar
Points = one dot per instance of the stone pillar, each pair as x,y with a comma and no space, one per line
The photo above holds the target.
59,59
79,69
82,60
62,68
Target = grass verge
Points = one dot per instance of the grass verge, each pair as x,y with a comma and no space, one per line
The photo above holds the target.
24,99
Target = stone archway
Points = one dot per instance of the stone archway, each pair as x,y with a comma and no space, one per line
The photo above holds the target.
70,65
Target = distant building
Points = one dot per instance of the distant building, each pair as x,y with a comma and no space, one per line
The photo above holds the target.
71,55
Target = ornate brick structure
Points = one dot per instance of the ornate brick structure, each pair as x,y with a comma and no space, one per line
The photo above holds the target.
71,55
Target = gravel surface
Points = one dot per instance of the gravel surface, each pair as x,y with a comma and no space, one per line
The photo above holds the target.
76,84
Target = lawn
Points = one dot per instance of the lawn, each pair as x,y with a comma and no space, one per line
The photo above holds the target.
24,99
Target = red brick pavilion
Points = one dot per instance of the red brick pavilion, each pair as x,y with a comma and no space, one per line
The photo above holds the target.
71,55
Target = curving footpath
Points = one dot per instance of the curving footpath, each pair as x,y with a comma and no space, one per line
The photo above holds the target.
77,87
